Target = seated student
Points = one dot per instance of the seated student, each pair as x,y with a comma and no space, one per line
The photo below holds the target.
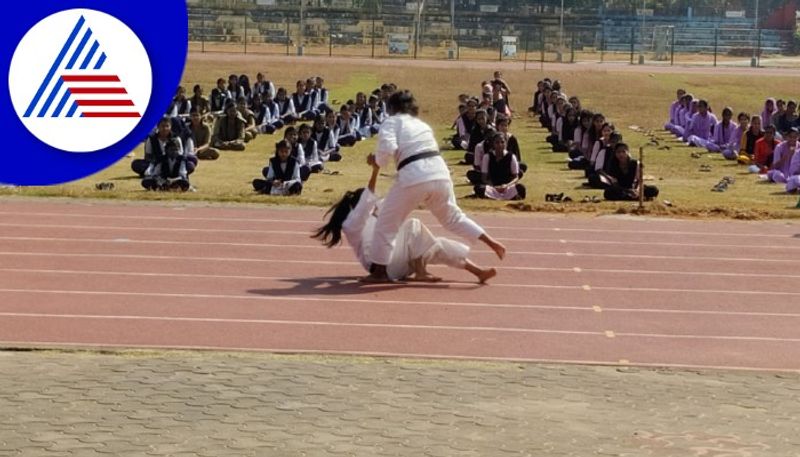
167,165
263,86
581,151
724,134
245,90
738,147
474,176
201,134
233,90
780,108
502,125
769,110
782,157
786,120
544,107
477,135
683,115
505,89
180,105
624,176
765,147
182,131
601,158
793,176
701,125
486,105
292,138
673,110
500,173
229,130
199,102
219,97
348,133
747,143
565,131
268,119
378,116
323,96
283,173
162,133
307,147
302,101
464,125
313,96
364,115
286,110
499,102
415,246
250,126
534,108
575,103
326,132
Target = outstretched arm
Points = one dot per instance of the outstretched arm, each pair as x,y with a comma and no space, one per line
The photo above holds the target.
373,179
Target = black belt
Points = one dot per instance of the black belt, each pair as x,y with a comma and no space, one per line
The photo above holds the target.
414,158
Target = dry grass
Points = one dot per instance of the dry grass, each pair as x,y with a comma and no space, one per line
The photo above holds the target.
626,98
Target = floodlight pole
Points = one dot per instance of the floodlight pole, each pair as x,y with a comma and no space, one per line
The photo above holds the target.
561,27
758,32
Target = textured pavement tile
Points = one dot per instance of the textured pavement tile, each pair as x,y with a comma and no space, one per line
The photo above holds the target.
220,404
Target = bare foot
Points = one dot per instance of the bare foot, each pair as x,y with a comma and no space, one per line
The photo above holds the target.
486,275
425,278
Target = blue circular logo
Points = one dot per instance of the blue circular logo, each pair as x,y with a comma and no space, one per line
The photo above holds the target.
87,81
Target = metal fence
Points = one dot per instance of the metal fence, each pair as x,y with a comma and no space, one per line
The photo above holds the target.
473,38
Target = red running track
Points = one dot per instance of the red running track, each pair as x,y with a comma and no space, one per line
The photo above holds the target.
578,289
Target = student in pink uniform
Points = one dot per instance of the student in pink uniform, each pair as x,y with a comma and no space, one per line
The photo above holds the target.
673,110
721,138
701,125
783,156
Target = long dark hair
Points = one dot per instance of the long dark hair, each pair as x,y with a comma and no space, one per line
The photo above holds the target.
403,103
331,233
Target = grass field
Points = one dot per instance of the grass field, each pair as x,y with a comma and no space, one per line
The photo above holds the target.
627,98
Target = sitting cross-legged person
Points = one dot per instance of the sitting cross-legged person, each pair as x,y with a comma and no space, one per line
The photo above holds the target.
500,172
229,130
283,173
623,177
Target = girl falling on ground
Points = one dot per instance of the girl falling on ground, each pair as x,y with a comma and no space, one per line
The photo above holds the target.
415,246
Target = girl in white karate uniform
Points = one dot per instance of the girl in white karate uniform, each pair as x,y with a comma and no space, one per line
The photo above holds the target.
415,246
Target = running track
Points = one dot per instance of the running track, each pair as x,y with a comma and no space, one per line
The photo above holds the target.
604,290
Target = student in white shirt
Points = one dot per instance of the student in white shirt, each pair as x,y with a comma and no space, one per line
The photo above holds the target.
415,247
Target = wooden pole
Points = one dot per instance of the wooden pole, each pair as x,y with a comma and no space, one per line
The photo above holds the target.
641,177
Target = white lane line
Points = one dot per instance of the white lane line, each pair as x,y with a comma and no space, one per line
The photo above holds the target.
392,302
488,227
117,241
407,355
216,320
534,253
319,246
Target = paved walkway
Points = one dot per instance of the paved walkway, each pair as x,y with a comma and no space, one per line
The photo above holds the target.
224,404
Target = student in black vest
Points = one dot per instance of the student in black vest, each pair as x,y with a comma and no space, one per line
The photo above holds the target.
219,95
167,163
565,131
477,135
502,125
153,149
500,172
199,102
624,176
308,149
283,175
326,139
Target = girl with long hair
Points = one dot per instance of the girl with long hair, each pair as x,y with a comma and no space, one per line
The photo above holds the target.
353,217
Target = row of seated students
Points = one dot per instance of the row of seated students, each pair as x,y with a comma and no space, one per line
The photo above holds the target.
305,150
592,143
766,142
190,126
490,149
